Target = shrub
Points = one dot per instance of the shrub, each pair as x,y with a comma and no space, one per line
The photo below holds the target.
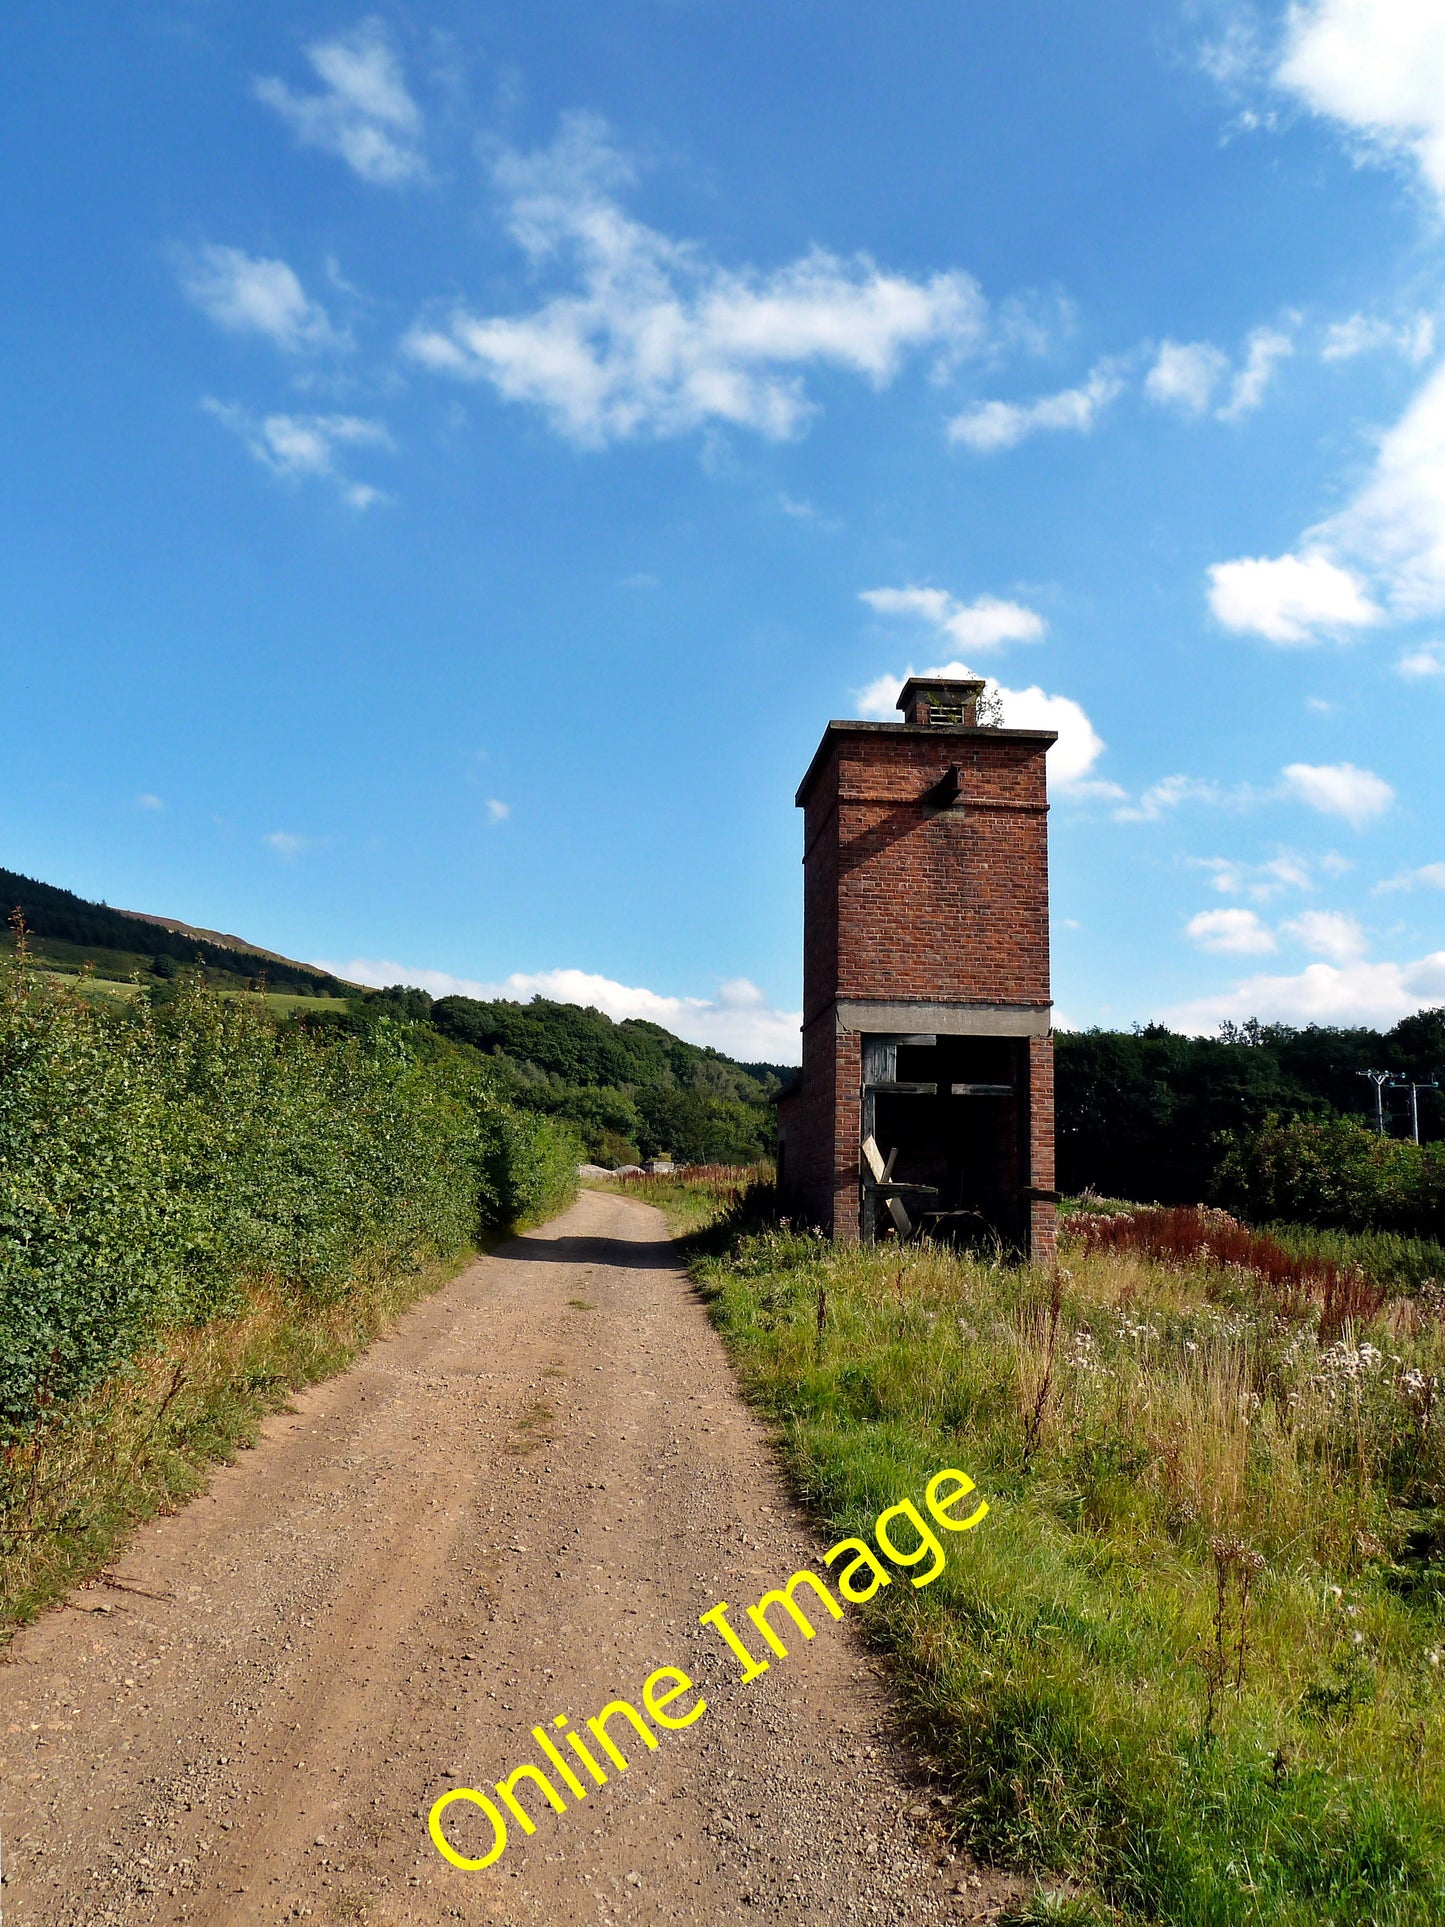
1332,1171
155,1163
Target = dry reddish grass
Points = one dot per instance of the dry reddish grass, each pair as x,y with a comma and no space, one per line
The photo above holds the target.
1190,1236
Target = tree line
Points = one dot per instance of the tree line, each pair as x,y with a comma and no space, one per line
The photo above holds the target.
1153,1116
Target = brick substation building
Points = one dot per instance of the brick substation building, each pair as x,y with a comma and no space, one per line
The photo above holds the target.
926,1095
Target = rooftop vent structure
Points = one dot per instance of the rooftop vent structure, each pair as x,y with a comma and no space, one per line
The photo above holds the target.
931,702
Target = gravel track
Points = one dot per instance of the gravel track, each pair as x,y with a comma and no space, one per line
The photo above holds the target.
514,1506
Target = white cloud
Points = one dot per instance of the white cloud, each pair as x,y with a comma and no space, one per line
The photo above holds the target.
1424,663
878,700
497,810
1394,529
653,337
1185,375
1264,350
1338,789
994,425
1230,932
286,843
1396,523
145,801
1378,68
252,294
1288,598
1379,994
985,623
1166,795
293,446
1430,876
365,115
1359,334
1260,881
1328,933
1071,759
737,1020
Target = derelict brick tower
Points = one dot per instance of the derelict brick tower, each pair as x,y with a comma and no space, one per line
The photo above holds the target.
926,1099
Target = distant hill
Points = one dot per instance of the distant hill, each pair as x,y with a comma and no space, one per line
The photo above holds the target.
70,931
631,1089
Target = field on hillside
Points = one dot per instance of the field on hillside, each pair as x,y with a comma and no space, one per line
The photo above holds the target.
1194,1659
279,1003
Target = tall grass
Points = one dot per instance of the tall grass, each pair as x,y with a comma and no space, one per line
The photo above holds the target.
1194,1656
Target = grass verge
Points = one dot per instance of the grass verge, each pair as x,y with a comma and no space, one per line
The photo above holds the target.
1194,1657
145,1441
696,1196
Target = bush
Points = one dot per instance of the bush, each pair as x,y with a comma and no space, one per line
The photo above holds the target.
157,1162
1332,1171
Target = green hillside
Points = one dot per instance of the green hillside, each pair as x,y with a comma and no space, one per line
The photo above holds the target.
632,1090
71,933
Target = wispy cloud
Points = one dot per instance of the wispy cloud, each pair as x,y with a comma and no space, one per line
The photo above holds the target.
994,425
1186,374
286,843
497,810
254,294
1412,336
1328,933
985,623
1423,664
1167,795
1264,350
1382,554
297,446
145,801
364,115
1259,881
1429,876
737,1018
652,337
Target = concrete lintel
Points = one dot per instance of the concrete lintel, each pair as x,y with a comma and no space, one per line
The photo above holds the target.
949,1020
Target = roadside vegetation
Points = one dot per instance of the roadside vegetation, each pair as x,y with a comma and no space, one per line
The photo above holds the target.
1195,1659
201,1208
1143,1114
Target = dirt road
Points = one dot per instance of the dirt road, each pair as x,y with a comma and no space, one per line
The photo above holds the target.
514,1507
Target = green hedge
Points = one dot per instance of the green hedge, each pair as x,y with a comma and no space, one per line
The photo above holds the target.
1332,1171
156,1163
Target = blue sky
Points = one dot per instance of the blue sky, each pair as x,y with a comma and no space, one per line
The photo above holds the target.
456,458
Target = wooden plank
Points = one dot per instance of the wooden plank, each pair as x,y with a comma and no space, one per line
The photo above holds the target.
902,1223
982,1090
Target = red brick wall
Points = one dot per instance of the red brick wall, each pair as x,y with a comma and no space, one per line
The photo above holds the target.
1042,1215
822,1157
946,905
